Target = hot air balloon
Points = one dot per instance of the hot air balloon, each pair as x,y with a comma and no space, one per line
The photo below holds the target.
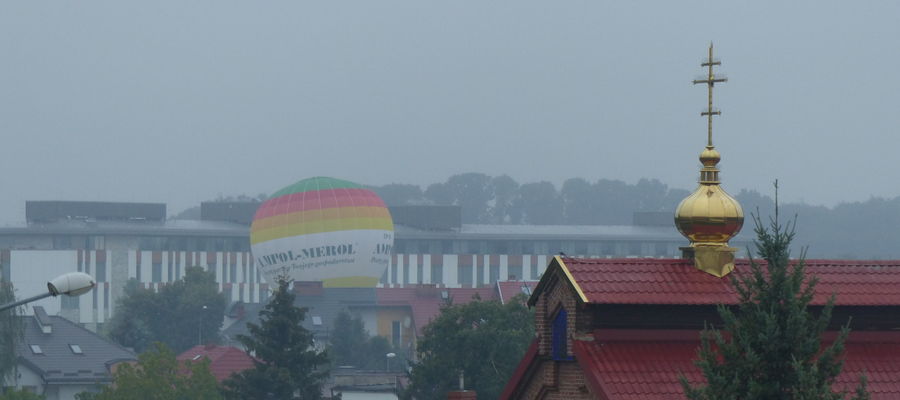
323,229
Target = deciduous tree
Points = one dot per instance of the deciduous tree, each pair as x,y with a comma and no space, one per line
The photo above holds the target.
180,315
483,339
159,376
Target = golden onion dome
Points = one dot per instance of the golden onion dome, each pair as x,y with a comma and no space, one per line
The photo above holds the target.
709,216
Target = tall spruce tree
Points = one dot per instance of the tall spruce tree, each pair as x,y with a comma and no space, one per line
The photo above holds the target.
770,344
286,364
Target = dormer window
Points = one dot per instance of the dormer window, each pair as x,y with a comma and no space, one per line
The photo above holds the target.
36,349
76,349
559,346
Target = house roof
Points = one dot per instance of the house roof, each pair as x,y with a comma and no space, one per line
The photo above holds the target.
676,281
57,361
646,364
426,304
223,360
325,304
506,290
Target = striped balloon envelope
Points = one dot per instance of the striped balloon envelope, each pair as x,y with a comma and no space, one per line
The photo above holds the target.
323,229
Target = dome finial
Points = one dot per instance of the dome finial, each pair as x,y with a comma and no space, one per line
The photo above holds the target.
709,217
710,80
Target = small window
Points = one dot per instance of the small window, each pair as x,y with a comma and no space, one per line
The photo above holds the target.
396,334
76,349
317,320
559,334
36,349
197,357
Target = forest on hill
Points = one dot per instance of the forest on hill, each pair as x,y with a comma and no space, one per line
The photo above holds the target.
857,230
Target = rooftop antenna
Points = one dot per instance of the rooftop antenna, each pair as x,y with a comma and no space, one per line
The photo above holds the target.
710,81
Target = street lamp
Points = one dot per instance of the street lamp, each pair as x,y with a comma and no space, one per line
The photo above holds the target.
71,284
389,357
200,327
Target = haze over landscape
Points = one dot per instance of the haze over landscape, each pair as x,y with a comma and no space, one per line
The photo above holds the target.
181,102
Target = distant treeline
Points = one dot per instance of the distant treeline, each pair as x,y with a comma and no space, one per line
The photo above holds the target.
860,230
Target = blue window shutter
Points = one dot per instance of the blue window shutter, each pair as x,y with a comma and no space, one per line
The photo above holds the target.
559,339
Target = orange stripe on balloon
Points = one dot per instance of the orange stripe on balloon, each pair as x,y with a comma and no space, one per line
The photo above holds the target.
316,215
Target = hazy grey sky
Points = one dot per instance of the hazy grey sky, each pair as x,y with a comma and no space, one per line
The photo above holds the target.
178,102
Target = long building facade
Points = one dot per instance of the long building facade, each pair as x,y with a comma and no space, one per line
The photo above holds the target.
121,242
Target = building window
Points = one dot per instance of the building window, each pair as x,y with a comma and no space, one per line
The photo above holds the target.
76,349
479,275
157,272
396,334
393,273
514,272
406,274
437,273
559,348
420,270
495,274
96,242
36,349
62,242
100,271
464,276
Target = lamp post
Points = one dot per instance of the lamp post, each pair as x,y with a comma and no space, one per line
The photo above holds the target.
389,356
71,284
200,327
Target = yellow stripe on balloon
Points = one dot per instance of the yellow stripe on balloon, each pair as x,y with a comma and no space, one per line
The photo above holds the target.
319,214
320,226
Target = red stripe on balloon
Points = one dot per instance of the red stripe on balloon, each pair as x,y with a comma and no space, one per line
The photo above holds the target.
318,199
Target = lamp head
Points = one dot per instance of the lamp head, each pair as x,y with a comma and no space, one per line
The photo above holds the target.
71,284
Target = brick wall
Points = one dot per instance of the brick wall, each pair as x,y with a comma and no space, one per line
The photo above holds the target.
550,379
556,380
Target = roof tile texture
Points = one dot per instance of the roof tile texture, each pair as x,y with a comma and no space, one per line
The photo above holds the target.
223,360
631,367
676,281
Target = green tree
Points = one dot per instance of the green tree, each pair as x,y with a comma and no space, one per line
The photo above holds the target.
351,345
10,331
159,376
540,203
180,315
286,364
399,194
348,341
773,349
498,334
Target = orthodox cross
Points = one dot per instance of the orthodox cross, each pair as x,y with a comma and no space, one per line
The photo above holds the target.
710,81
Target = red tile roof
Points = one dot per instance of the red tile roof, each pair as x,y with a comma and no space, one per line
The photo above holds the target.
646,364
426,304
676,281
510,289
223,360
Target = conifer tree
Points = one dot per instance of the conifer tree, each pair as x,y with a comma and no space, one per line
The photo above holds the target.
770,344
286,364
